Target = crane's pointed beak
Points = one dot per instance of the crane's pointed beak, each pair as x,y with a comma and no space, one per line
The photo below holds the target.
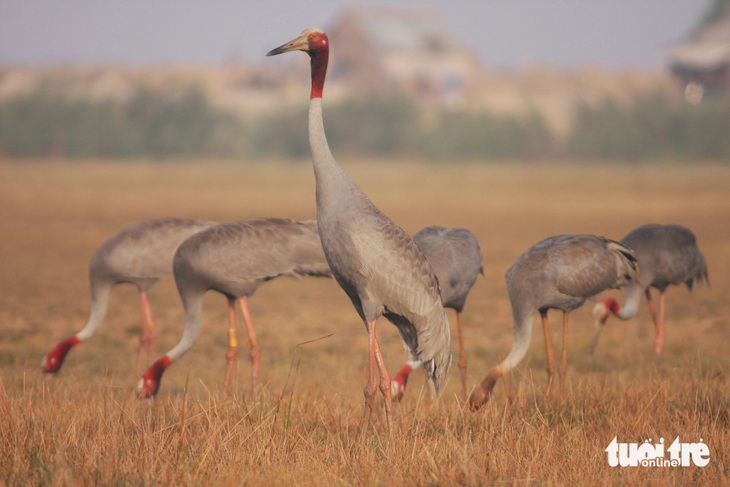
301,43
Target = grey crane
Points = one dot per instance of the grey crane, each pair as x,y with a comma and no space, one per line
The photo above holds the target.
374,260
668,255
456,258
559,272
235,259
140,255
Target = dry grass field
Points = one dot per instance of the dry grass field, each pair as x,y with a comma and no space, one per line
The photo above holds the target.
85,425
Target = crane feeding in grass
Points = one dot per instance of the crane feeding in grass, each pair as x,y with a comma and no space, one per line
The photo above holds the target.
374,261
140,255
456,258
668,255
234,259
557,273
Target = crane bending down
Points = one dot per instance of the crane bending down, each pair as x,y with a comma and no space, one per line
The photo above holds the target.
140,255
234,259
374,261
456,258
557,273
668,255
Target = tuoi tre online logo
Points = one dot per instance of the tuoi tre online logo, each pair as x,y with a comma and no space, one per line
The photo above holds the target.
650,454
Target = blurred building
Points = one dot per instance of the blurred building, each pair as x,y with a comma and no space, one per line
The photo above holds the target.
407,50
702,62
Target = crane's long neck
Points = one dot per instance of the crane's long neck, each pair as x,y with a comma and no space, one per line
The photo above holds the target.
523,318
322,158
333,185
632,300
100,291
193,304
318,63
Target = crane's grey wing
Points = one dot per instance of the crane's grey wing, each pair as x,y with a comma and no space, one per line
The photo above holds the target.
585,265
403,280
144,252
260,250
668,254
407,287
456,258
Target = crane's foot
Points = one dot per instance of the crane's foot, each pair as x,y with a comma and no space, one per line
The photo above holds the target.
255,354
385,388
231,356
658,345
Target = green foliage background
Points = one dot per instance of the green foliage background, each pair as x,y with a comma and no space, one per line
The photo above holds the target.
183,122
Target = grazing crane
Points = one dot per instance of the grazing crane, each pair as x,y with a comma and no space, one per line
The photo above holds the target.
374,261
668,255
234,259
140,255
456,258
557,273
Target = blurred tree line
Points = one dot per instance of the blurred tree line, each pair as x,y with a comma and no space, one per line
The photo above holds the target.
156,123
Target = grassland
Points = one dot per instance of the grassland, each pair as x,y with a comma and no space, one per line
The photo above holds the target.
85,425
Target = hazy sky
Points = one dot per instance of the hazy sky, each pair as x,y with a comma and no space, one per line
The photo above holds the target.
505,33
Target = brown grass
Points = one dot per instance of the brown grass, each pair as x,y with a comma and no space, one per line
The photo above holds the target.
85,425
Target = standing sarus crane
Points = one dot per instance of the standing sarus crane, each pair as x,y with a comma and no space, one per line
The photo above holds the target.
668,255
374,260
234,259
557,273
456,258
140,255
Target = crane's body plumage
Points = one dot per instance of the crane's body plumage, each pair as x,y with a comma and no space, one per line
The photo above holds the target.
142,254
234,259
456,258
374,261
566,270
139,255
668,255
559,272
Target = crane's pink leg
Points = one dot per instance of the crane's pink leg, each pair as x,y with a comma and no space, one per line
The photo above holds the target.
370,386
148,338
659,327
232,352
254,349
564,359
658,319
384,382
549,351
375,359
462,353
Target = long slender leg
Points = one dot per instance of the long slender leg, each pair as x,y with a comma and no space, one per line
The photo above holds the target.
254,349
371,386
462,354
549,351
384,378
659,326
650,303
148,338
564,359
655,318
232,352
